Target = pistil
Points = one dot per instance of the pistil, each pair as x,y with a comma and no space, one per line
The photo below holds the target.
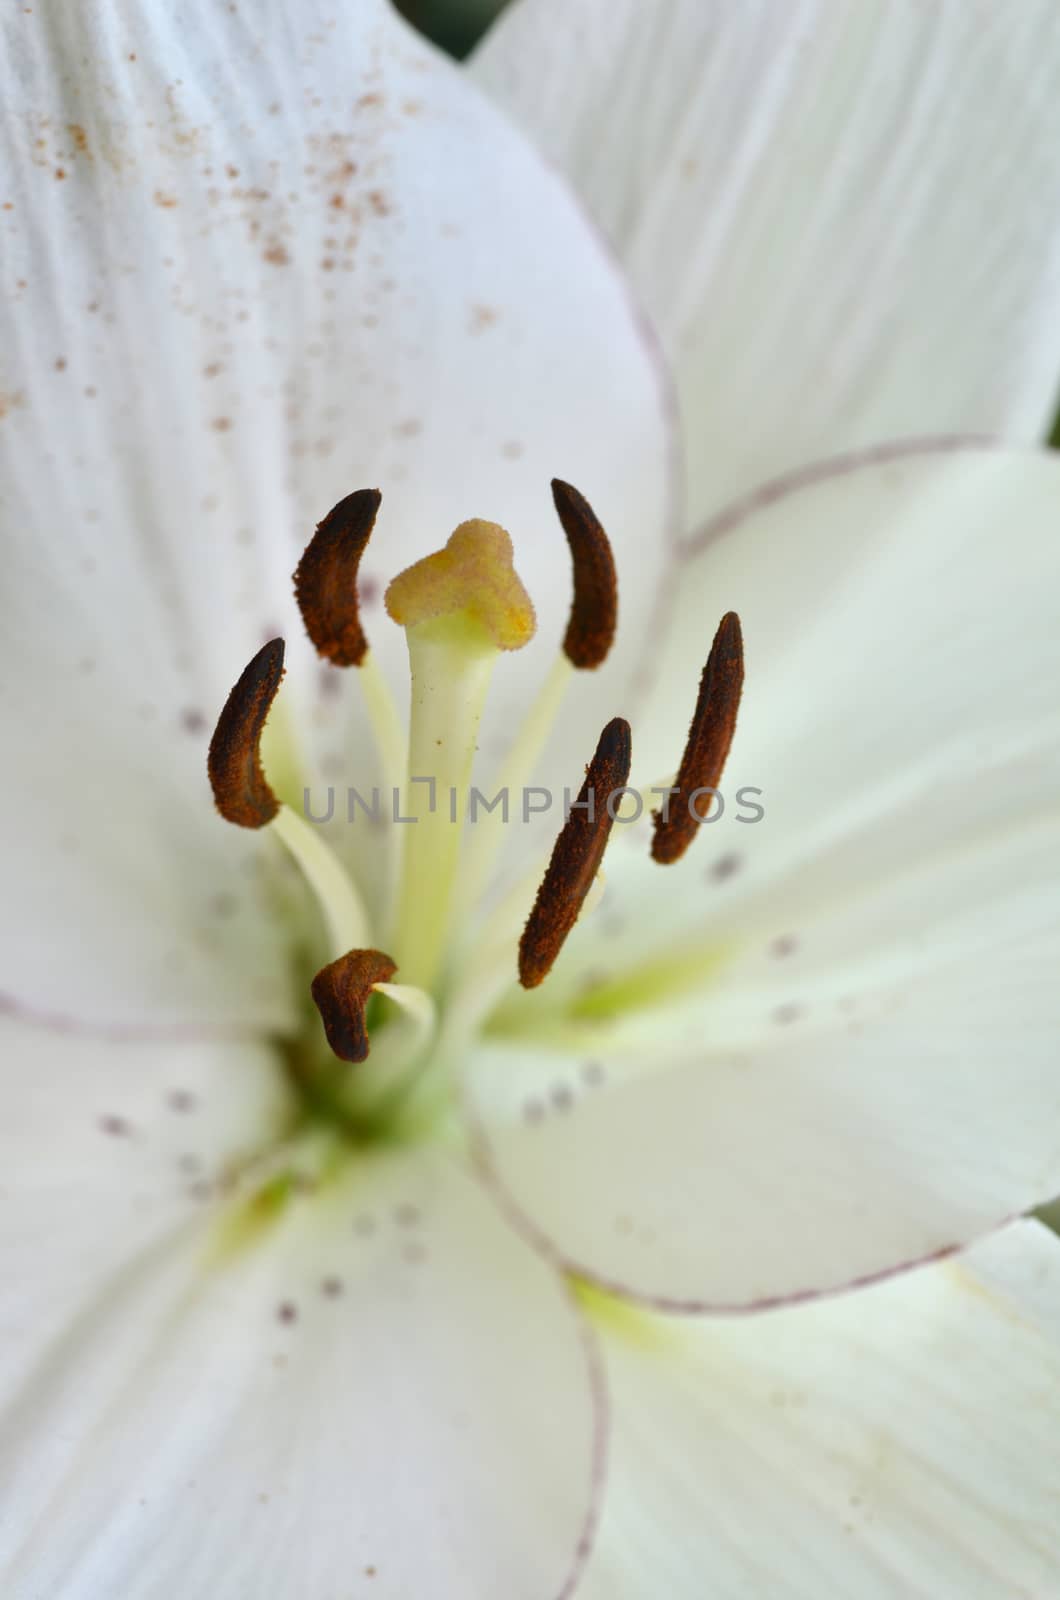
460,607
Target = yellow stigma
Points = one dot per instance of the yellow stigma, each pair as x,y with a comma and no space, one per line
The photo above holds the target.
473,577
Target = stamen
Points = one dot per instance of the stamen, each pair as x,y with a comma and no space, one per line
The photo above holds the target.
709,738
325,580
594,612
244,796
336,894
576,857
240,789
341,992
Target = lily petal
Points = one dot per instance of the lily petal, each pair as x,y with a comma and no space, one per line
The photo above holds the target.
902,659
859,1072
900,1441
839,217
279,1389
737,1180
107,1151
255,265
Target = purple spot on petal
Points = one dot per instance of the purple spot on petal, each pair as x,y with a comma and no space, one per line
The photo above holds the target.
789,1012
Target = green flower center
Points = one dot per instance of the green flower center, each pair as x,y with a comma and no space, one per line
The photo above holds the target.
397,1004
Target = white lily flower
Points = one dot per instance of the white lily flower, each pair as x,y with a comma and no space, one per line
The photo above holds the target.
276,1324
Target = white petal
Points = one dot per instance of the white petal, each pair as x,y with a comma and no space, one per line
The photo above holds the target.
256,267
902,659
734,1179
840,217
896,1442
866,1073
381,1383
107,1151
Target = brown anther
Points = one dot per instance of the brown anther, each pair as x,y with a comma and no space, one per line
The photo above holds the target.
709,738
341,991
240,788
577,855
594,610
325,580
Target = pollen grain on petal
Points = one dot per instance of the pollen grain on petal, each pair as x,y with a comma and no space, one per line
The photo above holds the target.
341,991
325,580
576,857
240,789
594,610
707,749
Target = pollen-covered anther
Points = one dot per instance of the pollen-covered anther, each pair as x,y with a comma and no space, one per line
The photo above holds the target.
707,749
240,788
577,855
341,992
474,576
594,610
325,580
